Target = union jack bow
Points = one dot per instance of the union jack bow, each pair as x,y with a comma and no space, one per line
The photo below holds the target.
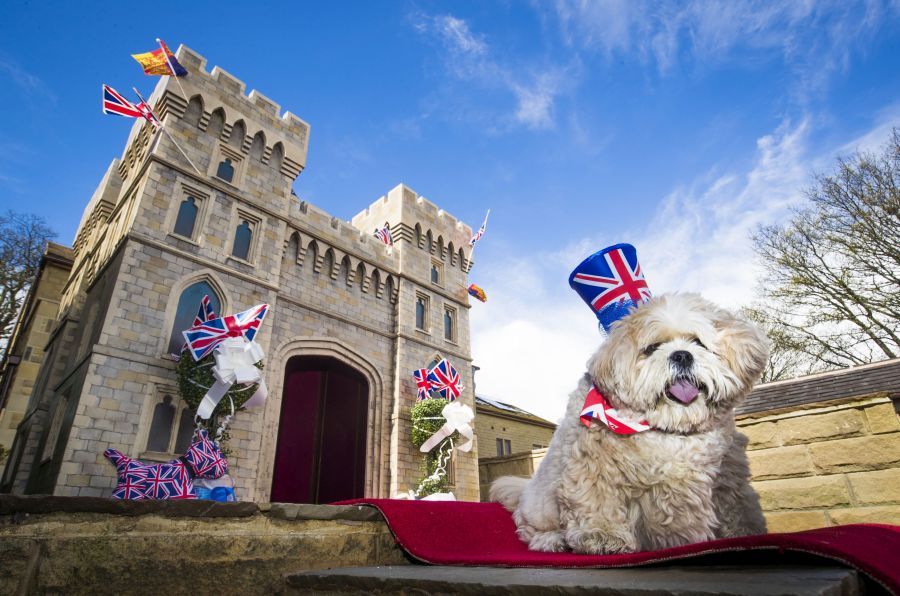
115,103
444,379
203,338
597,408
384,234
611,282
422,384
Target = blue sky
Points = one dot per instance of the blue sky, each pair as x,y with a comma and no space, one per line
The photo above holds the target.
676,126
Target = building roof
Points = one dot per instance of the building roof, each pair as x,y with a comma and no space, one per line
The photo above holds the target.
494,407
855,381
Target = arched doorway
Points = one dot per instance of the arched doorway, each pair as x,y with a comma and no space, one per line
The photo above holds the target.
321,450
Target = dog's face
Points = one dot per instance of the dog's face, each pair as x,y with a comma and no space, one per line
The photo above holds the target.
679,362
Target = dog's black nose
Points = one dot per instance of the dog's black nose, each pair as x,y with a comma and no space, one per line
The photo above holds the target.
681,358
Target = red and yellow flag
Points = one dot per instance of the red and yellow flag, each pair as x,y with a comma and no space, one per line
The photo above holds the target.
160,62
477,293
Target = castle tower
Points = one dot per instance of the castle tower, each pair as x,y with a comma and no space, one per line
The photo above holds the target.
342,335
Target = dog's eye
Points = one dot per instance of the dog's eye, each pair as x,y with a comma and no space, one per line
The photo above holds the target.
698,342
650,349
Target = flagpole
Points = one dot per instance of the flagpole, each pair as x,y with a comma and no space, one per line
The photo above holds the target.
172,68
163,128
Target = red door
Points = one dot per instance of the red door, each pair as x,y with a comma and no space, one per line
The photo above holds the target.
321,450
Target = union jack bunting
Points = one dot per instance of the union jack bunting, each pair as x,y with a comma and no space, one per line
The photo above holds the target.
203,338
205,457
115,103
422,384
444,379
611,282
477,235
384,234
597,408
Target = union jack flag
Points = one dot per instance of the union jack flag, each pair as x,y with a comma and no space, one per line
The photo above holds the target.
444,379
205,457
422,384
115,103
624,283
203,338
206,313
384,234
477,235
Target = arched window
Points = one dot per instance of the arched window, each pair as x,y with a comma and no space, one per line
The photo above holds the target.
216,123
277,156
194,111
161,426
187,217
258,146
238,132
225,171
185,431
188,305
242,238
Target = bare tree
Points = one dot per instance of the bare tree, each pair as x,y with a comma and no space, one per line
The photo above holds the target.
831,293
23,237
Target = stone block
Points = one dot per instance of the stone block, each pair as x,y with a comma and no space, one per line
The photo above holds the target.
811,492
818,427
780,462
873,488
851,455
882,418
796,521
761,435
888,514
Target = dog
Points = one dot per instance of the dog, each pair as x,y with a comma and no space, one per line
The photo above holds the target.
679,365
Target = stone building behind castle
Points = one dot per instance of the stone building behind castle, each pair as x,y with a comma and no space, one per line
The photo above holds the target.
349,318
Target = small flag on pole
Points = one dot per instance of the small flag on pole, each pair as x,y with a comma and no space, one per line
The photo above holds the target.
114,103
160,62
384,234
422,385
477,293
477,235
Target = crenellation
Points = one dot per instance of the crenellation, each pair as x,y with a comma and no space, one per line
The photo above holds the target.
228,81
264,103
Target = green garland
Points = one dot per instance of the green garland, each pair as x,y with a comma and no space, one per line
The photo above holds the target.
195,379
427,420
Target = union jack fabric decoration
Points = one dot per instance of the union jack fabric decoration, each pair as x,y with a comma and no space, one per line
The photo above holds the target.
423,387
384,234
444,379
205,457
611,282
597,408
115,103
203,338
477,235
138,480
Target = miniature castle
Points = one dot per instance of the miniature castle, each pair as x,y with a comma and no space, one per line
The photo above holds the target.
349,317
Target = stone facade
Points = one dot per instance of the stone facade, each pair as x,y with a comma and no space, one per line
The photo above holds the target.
25,351
500,426
333,289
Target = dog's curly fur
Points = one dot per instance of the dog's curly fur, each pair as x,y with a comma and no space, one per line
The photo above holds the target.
684,481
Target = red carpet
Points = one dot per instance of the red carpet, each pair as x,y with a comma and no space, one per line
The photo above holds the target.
458,533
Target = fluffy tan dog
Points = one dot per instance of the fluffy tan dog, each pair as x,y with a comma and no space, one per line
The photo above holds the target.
681,364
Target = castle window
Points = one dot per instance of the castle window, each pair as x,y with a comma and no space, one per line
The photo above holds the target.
437,273
449,323
171,428
188,305
187,217
243,236
421,312
225,171
55,427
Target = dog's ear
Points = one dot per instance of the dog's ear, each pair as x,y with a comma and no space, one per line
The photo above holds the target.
743,346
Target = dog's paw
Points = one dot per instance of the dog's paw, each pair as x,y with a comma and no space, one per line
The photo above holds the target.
548,542
596,542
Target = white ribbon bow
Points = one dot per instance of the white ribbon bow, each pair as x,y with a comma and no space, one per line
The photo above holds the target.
235,363
458,418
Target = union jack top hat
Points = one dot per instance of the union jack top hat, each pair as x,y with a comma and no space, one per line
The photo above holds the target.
611,282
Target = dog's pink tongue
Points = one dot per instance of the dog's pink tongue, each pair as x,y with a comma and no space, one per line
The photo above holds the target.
684,391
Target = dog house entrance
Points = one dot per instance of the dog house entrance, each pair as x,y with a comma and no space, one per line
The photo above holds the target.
321,451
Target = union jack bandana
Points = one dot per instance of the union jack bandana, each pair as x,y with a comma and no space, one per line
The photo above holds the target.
444,379
597,408
203,338
422,384
611,282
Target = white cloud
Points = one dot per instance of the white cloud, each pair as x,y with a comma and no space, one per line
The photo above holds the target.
468,57
534,335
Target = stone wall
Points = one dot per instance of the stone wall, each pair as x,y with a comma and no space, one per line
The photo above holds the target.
520,464
826,463
522,435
